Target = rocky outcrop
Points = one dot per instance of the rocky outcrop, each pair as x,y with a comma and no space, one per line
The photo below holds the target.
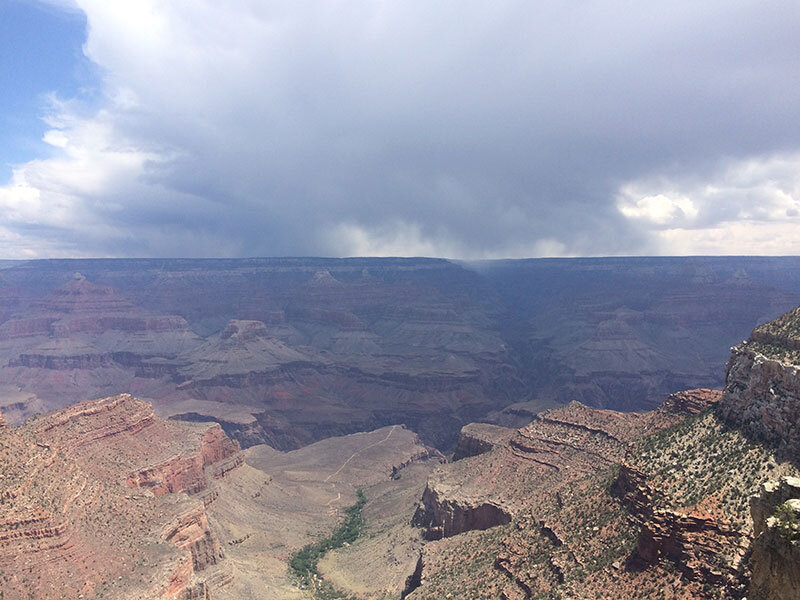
82,307
414,580
186,472
477,438
88,422
442,517
216,446
762,398
32,532
181,473
696,543
773,493
190,531
775,559
691,402
2,420
631,487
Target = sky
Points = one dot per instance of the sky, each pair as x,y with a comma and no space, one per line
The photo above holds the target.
463,129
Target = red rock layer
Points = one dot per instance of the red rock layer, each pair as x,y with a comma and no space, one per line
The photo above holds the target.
71,522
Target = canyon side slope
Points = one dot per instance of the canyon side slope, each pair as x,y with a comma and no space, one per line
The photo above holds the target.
106,500
697,498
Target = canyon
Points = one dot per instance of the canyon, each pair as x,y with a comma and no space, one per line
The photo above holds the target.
236,426
290,351
107,500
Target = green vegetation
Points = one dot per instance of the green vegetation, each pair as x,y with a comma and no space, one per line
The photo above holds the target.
788,522
776,352
779,339
304,563
702,458
787,325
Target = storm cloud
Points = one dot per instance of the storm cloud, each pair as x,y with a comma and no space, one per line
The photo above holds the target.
459,129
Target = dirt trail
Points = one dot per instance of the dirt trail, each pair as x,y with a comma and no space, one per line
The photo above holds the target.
344,464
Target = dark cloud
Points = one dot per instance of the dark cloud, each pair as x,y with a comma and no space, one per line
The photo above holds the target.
449,128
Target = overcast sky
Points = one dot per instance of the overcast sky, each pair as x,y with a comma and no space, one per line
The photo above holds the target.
465,129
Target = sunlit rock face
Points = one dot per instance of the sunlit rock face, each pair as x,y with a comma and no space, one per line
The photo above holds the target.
104,495
762,389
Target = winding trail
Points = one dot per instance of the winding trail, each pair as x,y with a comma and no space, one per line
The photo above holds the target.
352,456
332,500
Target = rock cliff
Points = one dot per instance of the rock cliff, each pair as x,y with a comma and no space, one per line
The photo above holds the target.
762,388
477,438
775,559
442,517
303,349
704,547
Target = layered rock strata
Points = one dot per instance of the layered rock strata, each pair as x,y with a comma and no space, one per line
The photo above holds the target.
705,548
310,348
600,504
762,397
762,388
477,438
69,509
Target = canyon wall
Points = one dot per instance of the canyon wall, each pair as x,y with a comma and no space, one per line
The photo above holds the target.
775,557
289,351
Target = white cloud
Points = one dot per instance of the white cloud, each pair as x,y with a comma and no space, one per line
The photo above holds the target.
399,239
756,238
660,209
56,138
746,206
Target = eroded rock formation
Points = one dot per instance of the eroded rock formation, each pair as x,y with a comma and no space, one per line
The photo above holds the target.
599,504
69,510
762,397
441,517
302,349
477,438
